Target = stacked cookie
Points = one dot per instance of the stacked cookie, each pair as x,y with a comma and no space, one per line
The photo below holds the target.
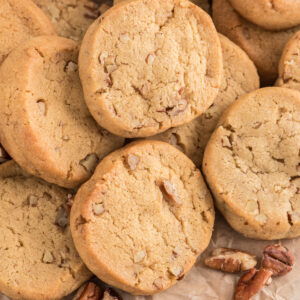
254,26
75,82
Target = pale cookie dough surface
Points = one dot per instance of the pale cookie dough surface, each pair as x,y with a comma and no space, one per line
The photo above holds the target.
38,257
71,18
45,125
263,47
239,77
252,164
269,14
136,91
143,218
20,20
289,65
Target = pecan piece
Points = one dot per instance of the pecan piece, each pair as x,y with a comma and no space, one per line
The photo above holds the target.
251,283
231,260
170,193
89,291
278,259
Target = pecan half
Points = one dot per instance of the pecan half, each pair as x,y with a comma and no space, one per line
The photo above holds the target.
231,260
89,291
251,283
278,259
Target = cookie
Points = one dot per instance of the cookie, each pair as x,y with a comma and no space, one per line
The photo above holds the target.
21,20
240,77
135,91
252,164
45,125
38,257
263,47
204,4
72,18
289,65
143,218
271,15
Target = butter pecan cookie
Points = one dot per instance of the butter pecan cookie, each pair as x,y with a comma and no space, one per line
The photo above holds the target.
143,218
289,65
45,125
38,257
252,164
269,14
138,91
240,77
20,21
71,18
264,47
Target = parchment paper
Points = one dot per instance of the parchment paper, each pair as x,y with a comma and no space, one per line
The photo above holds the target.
205,284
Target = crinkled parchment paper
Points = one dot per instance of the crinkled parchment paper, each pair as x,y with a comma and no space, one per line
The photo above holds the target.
205,284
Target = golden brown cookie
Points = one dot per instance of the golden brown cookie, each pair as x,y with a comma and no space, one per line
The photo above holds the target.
252,164
269,14
136,91
289,65
45,125
20,20
143,218
38,257
263,47
71,18
239,77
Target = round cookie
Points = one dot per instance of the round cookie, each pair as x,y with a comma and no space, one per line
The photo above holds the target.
38,257
263,47
269,14
252,164
20,21
289,65
136,91
240,77
143,218
71,18
45,125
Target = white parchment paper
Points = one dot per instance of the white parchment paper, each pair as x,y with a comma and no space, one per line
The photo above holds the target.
205,284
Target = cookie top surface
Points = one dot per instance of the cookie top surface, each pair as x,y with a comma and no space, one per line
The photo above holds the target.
136,91
21,20
71,18
239,77
264,47
269,14
289,65
38,257
143,218
252,164
50,133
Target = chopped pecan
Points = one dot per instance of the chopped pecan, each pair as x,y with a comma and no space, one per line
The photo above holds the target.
169,190
251,283
231,260
132,161
278,259
90,162
89,291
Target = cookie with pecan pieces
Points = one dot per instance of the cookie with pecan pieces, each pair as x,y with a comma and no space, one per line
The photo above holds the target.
143,218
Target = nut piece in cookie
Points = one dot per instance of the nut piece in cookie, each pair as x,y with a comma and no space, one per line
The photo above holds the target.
89,291
251,283
110,294
231,260
278,259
